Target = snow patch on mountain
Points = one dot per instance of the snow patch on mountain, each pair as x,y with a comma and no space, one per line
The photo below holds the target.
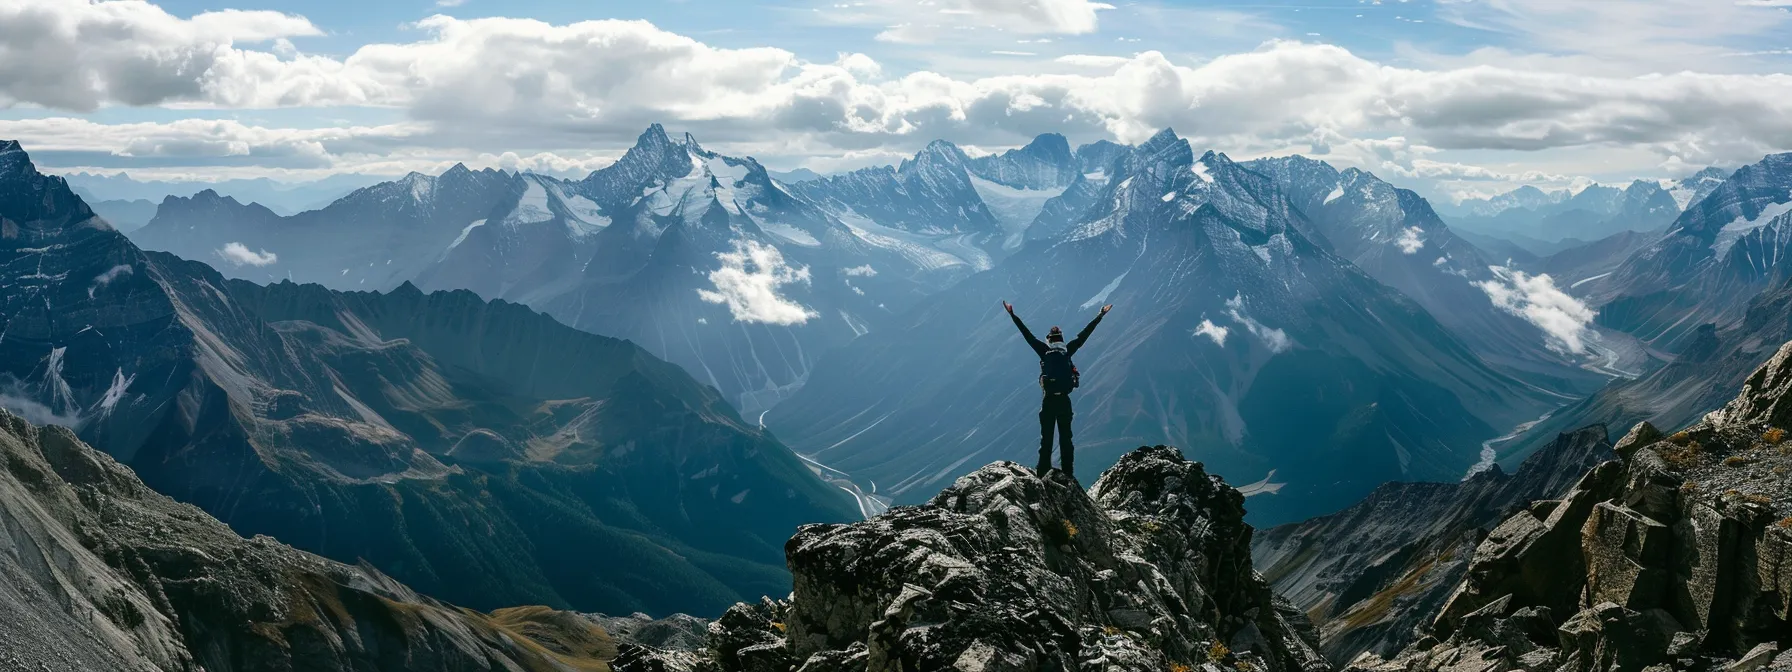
1201,172
1015,208
748,284
463,233
421,186
1740,226
790,234
1336,193
1105,291
1216,332
913,248
1566,322
120,384
533,206
238,254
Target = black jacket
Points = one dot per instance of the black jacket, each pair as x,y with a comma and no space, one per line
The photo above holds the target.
1070,348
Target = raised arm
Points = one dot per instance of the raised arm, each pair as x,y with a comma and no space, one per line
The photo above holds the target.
1038,348
1084,334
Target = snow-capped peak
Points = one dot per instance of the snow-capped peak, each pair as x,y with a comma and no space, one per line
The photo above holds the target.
421,186
12,157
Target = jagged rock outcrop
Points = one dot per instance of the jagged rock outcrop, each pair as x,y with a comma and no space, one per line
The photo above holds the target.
1676,556
1148,570
1369,575
99,572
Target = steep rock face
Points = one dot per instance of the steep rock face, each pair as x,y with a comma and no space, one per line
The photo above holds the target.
1004,570
1231,316
1673,557
1045,163
1370,574
99,572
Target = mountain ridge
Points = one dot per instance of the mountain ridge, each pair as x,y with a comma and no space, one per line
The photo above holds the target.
356,426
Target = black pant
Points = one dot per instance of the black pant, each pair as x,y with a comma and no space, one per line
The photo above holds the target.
1055,412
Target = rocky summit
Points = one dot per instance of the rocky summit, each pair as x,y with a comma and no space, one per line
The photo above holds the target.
1676,556
1005,571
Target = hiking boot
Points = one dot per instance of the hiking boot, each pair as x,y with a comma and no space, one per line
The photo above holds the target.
1042,469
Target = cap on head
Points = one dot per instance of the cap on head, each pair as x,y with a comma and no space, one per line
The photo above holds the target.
1055,335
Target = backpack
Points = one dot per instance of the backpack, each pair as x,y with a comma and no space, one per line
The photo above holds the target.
1057,374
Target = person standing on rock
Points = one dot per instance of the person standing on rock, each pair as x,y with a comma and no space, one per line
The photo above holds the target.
1057,377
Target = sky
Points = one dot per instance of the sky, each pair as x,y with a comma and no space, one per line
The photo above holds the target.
1455,98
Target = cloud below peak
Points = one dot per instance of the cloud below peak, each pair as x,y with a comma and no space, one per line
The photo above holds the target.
1566,322
238,254
748,283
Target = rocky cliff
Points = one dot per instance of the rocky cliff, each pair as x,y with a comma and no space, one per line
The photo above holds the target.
98,572
1369,575
1148,570
1676,556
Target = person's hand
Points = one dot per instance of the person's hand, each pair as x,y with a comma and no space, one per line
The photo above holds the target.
1106,308
1010,307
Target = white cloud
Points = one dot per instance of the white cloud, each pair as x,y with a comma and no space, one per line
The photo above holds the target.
1565,321
748,283
1276,340
495,85
917,25
238,254
1441,170
1209,329
80,54
1092,61
865,271
1409,241
103,279
1633,37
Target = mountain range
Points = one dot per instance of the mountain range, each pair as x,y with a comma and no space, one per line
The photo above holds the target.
1716,256
411,378
286,198
669,247
474,449
1241,314
751,283
1546,222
